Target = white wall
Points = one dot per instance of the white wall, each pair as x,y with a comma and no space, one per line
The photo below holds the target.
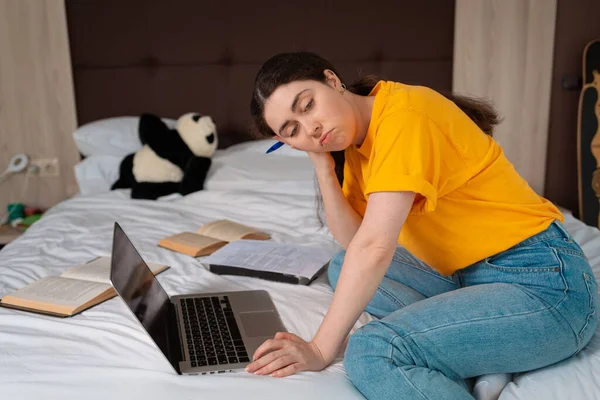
37,108
503,51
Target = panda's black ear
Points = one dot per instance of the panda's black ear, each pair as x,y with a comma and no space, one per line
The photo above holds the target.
151,127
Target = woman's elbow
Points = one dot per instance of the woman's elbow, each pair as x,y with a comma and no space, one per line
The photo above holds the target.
377,251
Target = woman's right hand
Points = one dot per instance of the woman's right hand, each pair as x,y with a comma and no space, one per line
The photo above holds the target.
322,161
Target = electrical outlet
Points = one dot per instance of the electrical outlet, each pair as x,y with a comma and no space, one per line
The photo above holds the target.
44,167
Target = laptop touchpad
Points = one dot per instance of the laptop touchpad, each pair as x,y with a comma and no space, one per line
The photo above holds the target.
260,323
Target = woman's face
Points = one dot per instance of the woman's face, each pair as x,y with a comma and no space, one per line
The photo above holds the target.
311,116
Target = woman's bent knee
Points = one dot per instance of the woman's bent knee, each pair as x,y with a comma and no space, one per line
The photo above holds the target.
366,346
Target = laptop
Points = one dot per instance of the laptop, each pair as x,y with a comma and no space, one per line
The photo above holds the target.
203,333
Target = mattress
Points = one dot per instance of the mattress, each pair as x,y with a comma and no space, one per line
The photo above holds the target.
103,353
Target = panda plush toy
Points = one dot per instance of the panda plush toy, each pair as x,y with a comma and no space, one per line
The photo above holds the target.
170,160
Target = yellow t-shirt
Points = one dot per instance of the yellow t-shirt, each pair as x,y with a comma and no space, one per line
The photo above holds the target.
470,204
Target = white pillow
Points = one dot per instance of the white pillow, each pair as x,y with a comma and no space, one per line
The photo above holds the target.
258,172
261,146
247,171
96,174
117,136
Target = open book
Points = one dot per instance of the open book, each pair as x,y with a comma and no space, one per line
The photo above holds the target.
283,262
211,237
75,290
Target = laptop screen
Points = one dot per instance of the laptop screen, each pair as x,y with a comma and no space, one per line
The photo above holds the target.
139,288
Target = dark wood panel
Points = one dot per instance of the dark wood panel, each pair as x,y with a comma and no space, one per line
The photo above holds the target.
172,57
576,25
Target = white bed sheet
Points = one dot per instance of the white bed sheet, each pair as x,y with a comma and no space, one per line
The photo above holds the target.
103,352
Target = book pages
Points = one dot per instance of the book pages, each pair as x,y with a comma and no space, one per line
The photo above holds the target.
98,270
58,291
290,259
226,230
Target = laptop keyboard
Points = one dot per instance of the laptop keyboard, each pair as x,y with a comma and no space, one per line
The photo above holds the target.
212,334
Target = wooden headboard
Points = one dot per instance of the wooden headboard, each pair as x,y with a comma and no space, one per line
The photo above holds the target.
176,56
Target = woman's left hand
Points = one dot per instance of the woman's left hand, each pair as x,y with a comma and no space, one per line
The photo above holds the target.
285,355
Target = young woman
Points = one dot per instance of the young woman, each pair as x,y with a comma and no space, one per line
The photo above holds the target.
486,278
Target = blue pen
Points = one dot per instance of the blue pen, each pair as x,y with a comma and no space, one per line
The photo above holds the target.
274,147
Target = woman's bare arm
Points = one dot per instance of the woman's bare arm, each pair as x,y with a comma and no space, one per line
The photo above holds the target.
365,263
342,220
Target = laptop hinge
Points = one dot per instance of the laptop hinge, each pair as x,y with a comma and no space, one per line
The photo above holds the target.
174,339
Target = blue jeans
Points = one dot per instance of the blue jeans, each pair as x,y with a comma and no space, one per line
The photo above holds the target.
525,308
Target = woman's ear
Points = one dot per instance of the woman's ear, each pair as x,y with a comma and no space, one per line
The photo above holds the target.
332,79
